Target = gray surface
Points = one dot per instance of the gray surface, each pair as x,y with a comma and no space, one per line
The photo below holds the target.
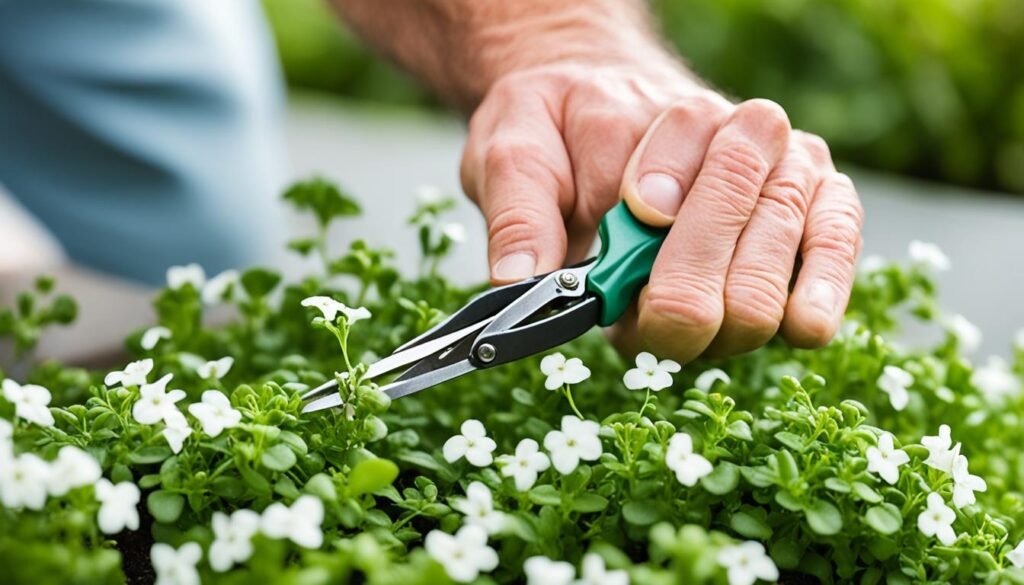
383,156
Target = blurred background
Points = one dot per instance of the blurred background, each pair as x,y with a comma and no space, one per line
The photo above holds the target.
922,101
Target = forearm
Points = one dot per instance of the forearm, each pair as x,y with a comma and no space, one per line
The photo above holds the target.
461,47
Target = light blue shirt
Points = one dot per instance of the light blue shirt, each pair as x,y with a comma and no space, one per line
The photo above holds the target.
143,133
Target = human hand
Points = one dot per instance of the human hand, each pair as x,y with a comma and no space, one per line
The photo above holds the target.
552,148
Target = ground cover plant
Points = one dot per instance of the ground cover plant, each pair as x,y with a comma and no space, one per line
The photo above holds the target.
862,462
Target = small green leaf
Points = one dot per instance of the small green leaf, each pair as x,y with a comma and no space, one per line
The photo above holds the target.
824,518
641,512
589,502
749,524
322,486
885,518
546,495
723,478
148,455
791,440
739,429
837,485
258,282
371,475
866,493
278,458
165,506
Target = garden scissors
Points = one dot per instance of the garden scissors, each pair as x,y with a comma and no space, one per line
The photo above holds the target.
511,322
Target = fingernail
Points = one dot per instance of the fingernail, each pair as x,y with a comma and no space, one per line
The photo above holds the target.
515,266
823,297
661,192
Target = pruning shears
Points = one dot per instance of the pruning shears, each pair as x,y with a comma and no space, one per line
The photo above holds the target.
511,322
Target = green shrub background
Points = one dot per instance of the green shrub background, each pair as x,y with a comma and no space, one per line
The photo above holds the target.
930,88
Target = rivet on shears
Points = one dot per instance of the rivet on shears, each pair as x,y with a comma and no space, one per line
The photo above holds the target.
568,280
486,353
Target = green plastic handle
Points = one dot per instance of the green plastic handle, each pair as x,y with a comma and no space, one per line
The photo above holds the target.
628,250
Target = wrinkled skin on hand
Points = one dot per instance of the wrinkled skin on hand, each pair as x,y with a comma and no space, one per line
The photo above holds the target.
552,148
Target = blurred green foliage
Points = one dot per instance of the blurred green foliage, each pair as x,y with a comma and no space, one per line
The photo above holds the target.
931,88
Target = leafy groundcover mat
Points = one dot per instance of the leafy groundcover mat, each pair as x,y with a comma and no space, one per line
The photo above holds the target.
863,462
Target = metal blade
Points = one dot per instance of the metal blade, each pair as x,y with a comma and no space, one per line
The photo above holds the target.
401,359
547,290
402,387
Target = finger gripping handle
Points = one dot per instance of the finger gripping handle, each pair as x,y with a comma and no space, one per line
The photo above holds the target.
628,250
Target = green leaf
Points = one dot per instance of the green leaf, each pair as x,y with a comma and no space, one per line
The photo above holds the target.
322,198
791,440
641,512
278,458
258,282
723,478
866,493
546,495
589,502
254,480
748,523
885,518
371,475
824,518
837,485
148,455
427,461
739,429
165,506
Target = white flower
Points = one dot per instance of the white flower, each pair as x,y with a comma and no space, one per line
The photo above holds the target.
179,276
73,468
478,507
940,451
118,506
561,371
1016,556
594,572
176,431
429,195
216,369
134,374
650,373
525,465
215,413
937,520
872,263
218,286
577,440
894,381
996,382
299,523
232,538
22,482
176,566
155,403
680,458
30,402
885,459
463,555
544,571
473,444
150,338
928,255
967,334
455,232
330,309
6,442
965,484
707,379
747,562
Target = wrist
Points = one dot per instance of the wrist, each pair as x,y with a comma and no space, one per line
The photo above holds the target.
540,33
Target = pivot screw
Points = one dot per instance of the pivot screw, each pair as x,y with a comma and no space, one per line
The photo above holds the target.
568,280
486,353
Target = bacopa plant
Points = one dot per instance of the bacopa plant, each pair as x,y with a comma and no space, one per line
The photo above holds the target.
864,461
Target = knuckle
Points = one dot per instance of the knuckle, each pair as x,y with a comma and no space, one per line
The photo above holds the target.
504,157
815,145
514,223
787,197
768,113
737,172
755,300
835,236
686,309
